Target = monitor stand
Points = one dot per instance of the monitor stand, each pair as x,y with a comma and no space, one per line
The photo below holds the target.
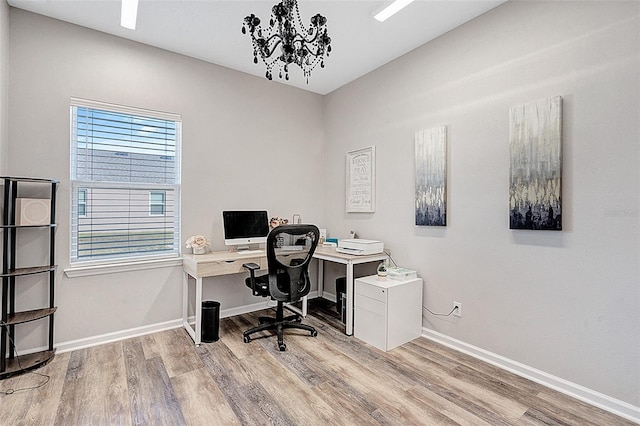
245,248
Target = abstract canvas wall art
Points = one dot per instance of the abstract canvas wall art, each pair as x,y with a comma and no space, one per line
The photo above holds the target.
431,177
535,141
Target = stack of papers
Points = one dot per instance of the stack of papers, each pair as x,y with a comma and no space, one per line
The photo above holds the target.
401,274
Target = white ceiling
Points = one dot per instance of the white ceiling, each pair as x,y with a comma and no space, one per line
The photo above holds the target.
210,30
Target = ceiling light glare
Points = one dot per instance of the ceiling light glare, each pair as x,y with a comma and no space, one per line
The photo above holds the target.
391,10
129,14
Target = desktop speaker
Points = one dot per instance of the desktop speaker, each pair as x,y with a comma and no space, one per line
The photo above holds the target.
33,211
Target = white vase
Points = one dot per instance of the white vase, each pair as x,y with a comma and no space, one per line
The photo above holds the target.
198,250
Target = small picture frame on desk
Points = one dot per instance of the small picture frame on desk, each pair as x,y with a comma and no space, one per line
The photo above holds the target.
361,180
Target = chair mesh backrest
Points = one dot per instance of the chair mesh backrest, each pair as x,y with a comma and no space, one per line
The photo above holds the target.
289,252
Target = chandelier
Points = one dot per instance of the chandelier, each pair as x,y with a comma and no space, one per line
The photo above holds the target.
286,41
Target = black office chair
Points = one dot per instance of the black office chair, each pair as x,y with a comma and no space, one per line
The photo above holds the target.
289,252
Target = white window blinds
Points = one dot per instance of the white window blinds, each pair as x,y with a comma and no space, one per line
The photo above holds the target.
125,182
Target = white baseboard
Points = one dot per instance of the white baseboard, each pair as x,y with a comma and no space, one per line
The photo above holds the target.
102,339
612,405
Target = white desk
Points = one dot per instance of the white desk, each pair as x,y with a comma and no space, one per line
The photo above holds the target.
224,263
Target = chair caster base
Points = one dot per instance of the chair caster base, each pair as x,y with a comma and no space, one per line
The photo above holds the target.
282,347
247,339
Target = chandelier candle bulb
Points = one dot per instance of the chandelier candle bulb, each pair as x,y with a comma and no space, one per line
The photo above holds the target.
286,40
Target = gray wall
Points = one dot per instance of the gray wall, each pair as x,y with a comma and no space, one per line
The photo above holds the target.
567,303
4,84
232,127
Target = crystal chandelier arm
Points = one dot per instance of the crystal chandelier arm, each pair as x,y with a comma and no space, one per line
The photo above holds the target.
263,44
276,44
300,37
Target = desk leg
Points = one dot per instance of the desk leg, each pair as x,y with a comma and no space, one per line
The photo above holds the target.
185,299
198,309
195,333
302,312
320,277
349,302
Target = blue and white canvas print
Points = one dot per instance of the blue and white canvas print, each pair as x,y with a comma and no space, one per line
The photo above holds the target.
431,177
535,141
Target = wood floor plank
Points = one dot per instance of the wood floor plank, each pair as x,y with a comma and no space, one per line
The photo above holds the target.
457,413
175,349
223,365
95,388
201,401
151,395
231,335
150,345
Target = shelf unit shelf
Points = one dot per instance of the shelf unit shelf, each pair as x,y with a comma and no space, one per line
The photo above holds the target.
32,270
50,225
10,363
28,316
23,363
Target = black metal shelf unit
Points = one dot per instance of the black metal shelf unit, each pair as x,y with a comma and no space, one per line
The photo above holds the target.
10,362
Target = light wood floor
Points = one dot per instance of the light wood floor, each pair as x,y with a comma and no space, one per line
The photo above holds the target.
162,379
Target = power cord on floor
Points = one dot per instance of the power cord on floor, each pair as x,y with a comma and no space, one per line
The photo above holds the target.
441,315
11,391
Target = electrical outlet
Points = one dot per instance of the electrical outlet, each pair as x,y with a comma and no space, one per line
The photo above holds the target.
457,309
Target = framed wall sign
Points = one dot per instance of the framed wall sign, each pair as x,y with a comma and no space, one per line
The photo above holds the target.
361,180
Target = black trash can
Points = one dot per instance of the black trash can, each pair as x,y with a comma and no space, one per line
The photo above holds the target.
210,321
341,288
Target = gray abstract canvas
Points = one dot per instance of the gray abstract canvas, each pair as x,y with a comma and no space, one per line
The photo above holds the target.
431,177
535,140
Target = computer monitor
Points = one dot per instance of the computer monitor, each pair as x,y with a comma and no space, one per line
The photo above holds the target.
244,227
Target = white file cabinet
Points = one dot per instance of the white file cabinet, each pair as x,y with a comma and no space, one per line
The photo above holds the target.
387,313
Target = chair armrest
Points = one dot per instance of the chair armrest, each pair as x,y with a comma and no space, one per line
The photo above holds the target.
252,267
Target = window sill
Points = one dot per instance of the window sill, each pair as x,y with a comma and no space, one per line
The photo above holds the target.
87,270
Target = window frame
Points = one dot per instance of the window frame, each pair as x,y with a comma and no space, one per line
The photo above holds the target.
162,204
102,263
82,201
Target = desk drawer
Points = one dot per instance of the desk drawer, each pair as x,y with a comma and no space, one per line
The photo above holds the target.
372,291
225,267
368,304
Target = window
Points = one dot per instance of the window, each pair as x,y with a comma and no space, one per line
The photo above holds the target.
82,203
156,203
125,167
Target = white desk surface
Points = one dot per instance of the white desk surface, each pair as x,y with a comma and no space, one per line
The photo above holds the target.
330,253
209,264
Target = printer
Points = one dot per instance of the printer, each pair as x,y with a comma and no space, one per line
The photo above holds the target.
359,246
